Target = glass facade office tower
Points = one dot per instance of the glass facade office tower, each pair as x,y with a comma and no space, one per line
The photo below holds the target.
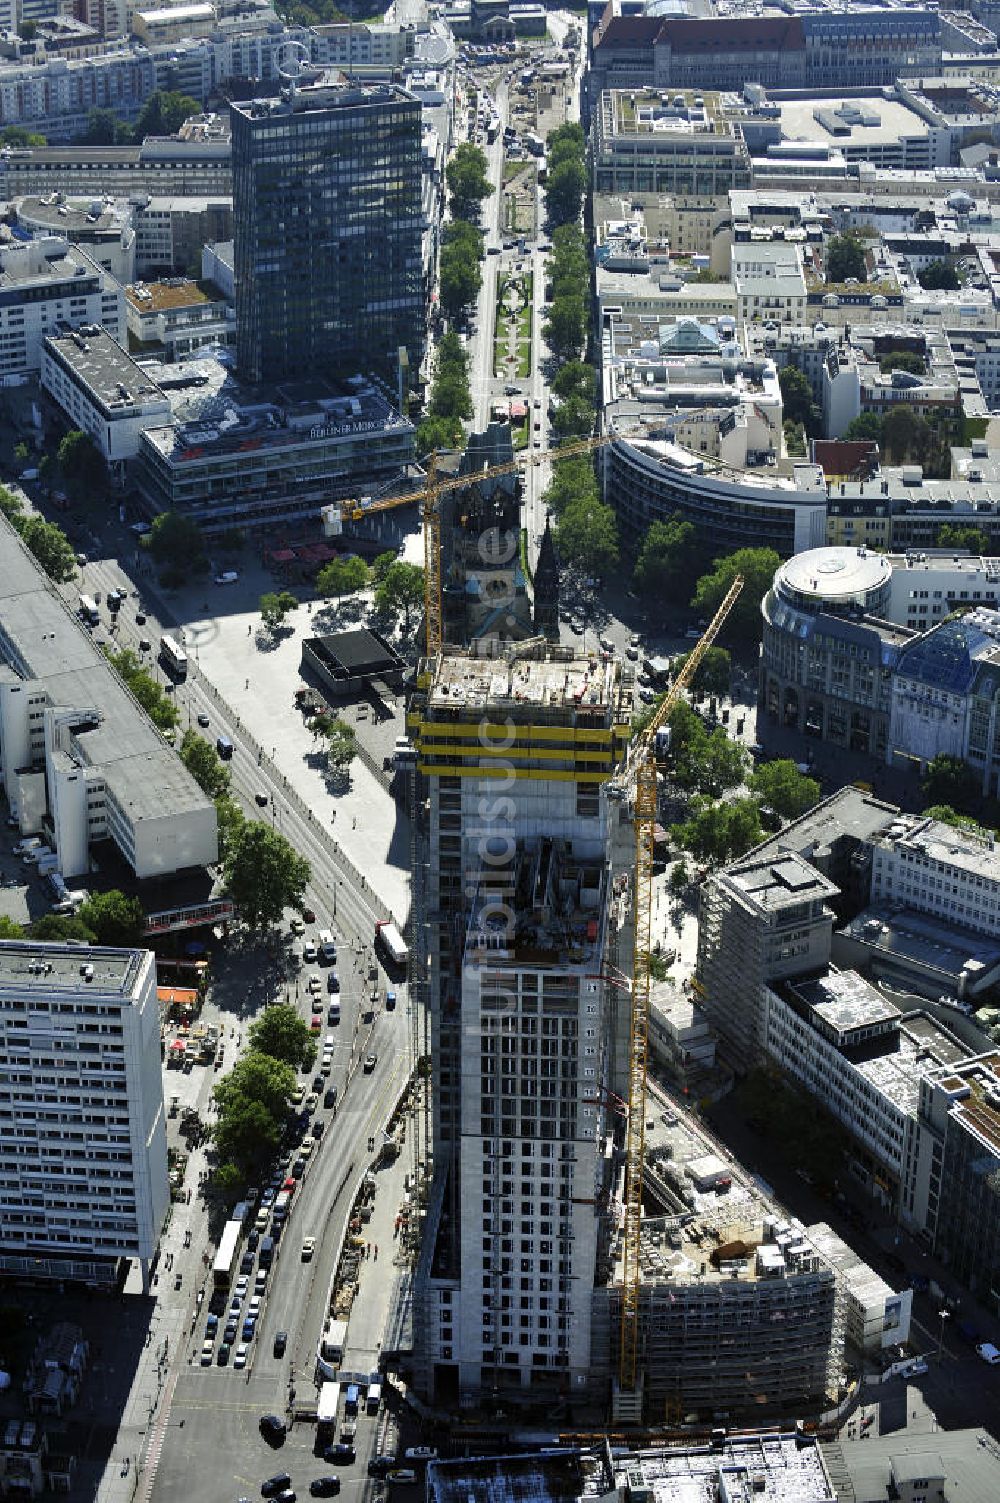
327,220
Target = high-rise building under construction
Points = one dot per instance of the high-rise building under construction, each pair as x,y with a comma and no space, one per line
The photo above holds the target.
519,882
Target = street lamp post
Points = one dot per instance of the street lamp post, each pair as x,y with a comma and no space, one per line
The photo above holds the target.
943,1315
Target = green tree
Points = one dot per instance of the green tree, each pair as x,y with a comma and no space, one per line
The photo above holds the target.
60,927
757,566
450,393
573,480
670,557
275,606
21,452
201,760
158,706
437,433
787,791
264,874
949,780
587,537
231,820
704,762
341,743
103,129
576,379
796,394
401,589
713,674
939,275
679,879
573,418
905,435
80,463
459,273
868,425
381,566
845,257
953,535
253,1103
164,113
115,918
282,1034
719,832
902,360
176,544
946,815
468,180
564,191
565,325
18,136
342,576
9,929
50,546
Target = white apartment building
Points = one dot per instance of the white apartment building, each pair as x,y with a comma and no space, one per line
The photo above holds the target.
935,868
769,281
853,1050
102,390
518,883
46,284
927,586
79,760
83,1143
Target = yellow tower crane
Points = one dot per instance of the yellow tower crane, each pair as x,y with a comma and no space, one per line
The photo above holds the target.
639,778
429,500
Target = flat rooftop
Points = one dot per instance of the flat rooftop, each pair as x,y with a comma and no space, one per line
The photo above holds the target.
771,883
545,1478
355,654
950,845
51,969
932,944
214,413
108,370
146,775
747,1469
846,1001
25,263
848,812
849,124
81,215
559,680
174,292
967,1460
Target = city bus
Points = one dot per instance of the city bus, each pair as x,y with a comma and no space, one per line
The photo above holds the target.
225,1259
173,657
89,611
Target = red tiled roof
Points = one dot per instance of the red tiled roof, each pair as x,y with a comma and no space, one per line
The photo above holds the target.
627,31
727,34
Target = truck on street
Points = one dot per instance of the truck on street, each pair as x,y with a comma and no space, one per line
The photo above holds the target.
391,945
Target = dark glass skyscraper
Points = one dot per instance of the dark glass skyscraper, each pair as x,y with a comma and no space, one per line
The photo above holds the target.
327,211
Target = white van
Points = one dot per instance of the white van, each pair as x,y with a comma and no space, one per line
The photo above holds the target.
327,947
989,1353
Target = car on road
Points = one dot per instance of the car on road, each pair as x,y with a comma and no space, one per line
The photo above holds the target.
246,1262
420,1453
330,1097
379,1465
325,1487
333,982
253,1308
401,1474
308,1248
315,984
223,1357
318,1083
318,1127
297,926
371,1060
249,1326
342,1452
207,1353
298,1168
242,1285
280,1343
145,645
280,1480
240,1360
311,1102
140,618
140,529
211,1326
309,951
309,915
262,800
229,576
325,1065
229,1334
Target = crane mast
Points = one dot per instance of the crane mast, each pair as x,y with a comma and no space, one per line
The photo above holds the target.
640,772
